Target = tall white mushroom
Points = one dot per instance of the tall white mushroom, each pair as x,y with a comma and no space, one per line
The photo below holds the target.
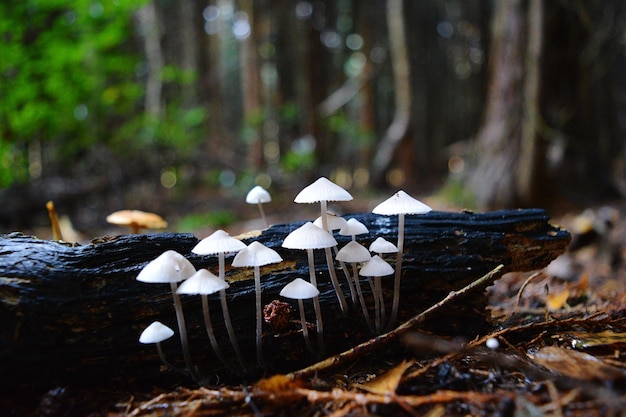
172,267
156,333
399,204
259,196
309,237
205,283
381,246
323,190
220,243
377,267
336,222
256,255
299,289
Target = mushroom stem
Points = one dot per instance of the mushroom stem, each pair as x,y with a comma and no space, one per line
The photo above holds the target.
378,302
226,313
165,361
348,277
316,303
230,329
330,262
305,330
180,318
398,273
259,319
357,283
333,278
209,328
263,214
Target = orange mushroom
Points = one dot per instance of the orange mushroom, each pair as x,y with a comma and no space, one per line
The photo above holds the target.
136,220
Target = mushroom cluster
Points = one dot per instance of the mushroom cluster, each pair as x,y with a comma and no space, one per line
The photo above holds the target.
363,272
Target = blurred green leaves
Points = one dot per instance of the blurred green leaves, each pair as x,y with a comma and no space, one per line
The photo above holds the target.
65,74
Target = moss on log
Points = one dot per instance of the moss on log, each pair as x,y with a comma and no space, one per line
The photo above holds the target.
74,312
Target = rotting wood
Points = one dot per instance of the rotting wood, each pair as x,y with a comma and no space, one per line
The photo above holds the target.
69,312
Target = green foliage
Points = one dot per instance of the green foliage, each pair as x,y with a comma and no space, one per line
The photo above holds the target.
456,193
193,222
65,75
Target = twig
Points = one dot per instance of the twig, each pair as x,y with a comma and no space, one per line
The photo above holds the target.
383,339
521,289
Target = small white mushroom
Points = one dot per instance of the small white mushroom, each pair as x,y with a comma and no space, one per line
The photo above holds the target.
299,289
205,283
355,253
220,243
323,190
259,196
377,267
399,204
156,333
256,255
172,267
309,237
381,246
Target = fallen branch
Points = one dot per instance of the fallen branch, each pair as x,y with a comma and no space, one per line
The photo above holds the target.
379,341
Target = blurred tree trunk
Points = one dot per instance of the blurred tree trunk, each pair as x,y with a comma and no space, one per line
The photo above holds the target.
402,90
150,29
539,103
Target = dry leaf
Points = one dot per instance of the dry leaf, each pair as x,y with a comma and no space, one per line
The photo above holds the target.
556,301
388,382
574,364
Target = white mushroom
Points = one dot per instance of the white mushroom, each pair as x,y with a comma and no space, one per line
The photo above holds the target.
355,253
309,237
323,190
172,267
220,243
156,333
259,196
381,246
299,289
257,255
205,283
377,267
400,203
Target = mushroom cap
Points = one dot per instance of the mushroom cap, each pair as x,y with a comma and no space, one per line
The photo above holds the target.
353,252
376,267
155,333
401,203
335,222
353,227
256,254
322,190
258,195
381,245
137,217
202,282
299,289
218,242
170,266
309,236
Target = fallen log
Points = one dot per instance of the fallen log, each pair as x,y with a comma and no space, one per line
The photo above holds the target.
73,313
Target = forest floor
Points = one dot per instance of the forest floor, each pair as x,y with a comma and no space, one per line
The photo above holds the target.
556,346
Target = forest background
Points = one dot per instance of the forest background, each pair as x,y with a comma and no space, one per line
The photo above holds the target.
180,107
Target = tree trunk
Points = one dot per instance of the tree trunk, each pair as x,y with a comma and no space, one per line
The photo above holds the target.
402,89
538,139
70,313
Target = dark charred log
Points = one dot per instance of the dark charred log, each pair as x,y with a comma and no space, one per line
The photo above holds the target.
73,313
